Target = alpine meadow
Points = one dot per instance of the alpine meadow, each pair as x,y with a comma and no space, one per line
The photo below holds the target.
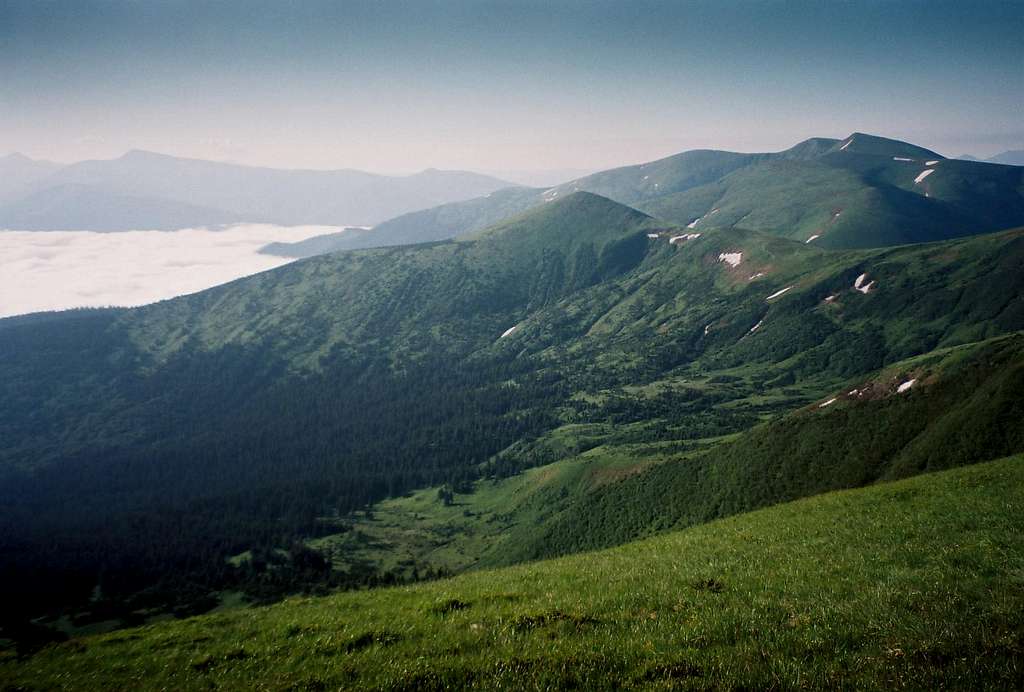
748,414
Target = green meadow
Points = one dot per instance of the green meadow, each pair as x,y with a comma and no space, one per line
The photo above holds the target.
915,584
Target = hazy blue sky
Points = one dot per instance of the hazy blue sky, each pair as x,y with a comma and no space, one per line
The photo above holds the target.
398,86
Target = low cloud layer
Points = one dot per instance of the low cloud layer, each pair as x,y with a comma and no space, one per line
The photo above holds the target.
57,270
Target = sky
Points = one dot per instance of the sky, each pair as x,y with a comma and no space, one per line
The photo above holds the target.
396,87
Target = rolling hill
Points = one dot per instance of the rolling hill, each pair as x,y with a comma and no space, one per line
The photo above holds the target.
862,191
265,413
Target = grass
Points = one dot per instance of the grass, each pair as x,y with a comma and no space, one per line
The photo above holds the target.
479,529
915,584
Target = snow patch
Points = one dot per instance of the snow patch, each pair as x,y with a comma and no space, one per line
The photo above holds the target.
646,177
733,259
829,299
707,329
714,211
905,386
848,143
755,276
827,403
900,158
813,237
778,293
754,328
930,163
676,239
923,174
859,284
693,223
508,331
652,235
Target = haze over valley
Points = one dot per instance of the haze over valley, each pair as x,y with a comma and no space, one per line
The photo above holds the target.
73,269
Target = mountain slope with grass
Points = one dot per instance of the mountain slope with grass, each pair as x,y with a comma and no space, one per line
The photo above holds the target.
263,414
909,584
949,408
604,484
859,192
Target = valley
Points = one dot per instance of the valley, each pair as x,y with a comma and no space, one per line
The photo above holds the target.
575,377
505,345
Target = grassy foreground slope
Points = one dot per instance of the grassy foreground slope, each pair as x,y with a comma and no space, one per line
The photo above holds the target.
913,584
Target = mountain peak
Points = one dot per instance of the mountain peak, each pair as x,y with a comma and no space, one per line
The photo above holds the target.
575,215
139,154
863,143
810,148
583,201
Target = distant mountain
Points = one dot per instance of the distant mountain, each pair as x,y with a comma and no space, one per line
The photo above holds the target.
429,225
18,173
205,192
861,191
542,177
1014,157
71,206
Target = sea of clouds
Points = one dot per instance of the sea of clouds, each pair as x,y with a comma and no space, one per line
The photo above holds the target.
57,270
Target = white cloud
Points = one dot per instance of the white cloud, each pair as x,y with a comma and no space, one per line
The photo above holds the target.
56,270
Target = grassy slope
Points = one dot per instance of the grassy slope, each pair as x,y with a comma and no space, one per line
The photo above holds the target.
911,584
854,200
964,408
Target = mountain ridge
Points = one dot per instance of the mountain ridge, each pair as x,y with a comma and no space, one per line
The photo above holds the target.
860,191
206,192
